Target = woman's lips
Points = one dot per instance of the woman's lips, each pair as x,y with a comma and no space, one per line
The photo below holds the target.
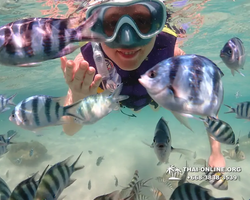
128,53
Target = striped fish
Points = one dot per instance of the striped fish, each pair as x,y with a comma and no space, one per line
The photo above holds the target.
216,180
242,110
186,85
26,190
125,192
56,179
4,190
27,42
41,111
4,143
220,130
158,195
231,154
4,102
190,191
136,189
233,55
95,107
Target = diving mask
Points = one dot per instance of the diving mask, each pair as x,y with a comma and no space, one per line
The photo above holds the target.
129,24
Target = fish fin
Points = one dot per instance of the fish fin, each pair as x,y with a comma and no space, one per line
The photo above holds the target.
85,31
232,110
151,146
42,175
10,137
113,194
240,73
182,120
60,100
232,72
73,165
204,183
35,64
116,97
5,109
185,152
71,181
159,163
61,198
39,132
10,100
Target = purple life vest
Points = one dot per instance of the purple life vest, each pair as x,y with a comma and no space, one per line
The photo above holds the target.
138,96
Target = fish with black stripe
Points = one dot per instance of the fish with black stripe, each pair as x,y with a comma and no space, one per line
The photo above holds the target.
56,179
216,180
26,190
125,192
242,110
4,190
190,191
41,111
235,153
95,107
186,85
158,195
4,102
220,130
27,42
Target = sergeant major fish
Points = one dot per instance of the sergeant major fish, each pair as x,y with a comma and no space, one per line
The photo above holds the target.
186,85
41,111
233,55
27,189
220,130
56,179
4,102
95,107
195,192
4,190
162,142
242,110
27,42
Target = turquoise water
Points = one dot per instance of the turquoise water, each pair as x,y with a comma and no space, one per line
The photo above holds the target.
118,137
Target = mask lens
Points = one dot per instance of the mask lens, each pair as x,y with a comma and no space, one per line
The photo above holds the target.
140,14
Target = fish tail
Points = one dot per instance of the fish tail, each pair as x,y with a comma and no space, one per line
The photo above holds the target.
232,110
9,138
10,100
85,33
116,94
73,165
71,110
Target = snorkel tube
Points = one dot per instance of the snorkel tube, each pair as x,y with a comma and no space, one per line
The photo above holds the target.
110,79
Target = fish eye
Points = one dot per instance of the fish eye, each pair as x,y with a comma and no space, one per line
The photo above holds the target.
229,51
152,74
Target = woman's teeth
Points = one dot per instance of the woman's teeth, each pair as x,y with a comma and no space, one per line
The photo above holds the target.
129,53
